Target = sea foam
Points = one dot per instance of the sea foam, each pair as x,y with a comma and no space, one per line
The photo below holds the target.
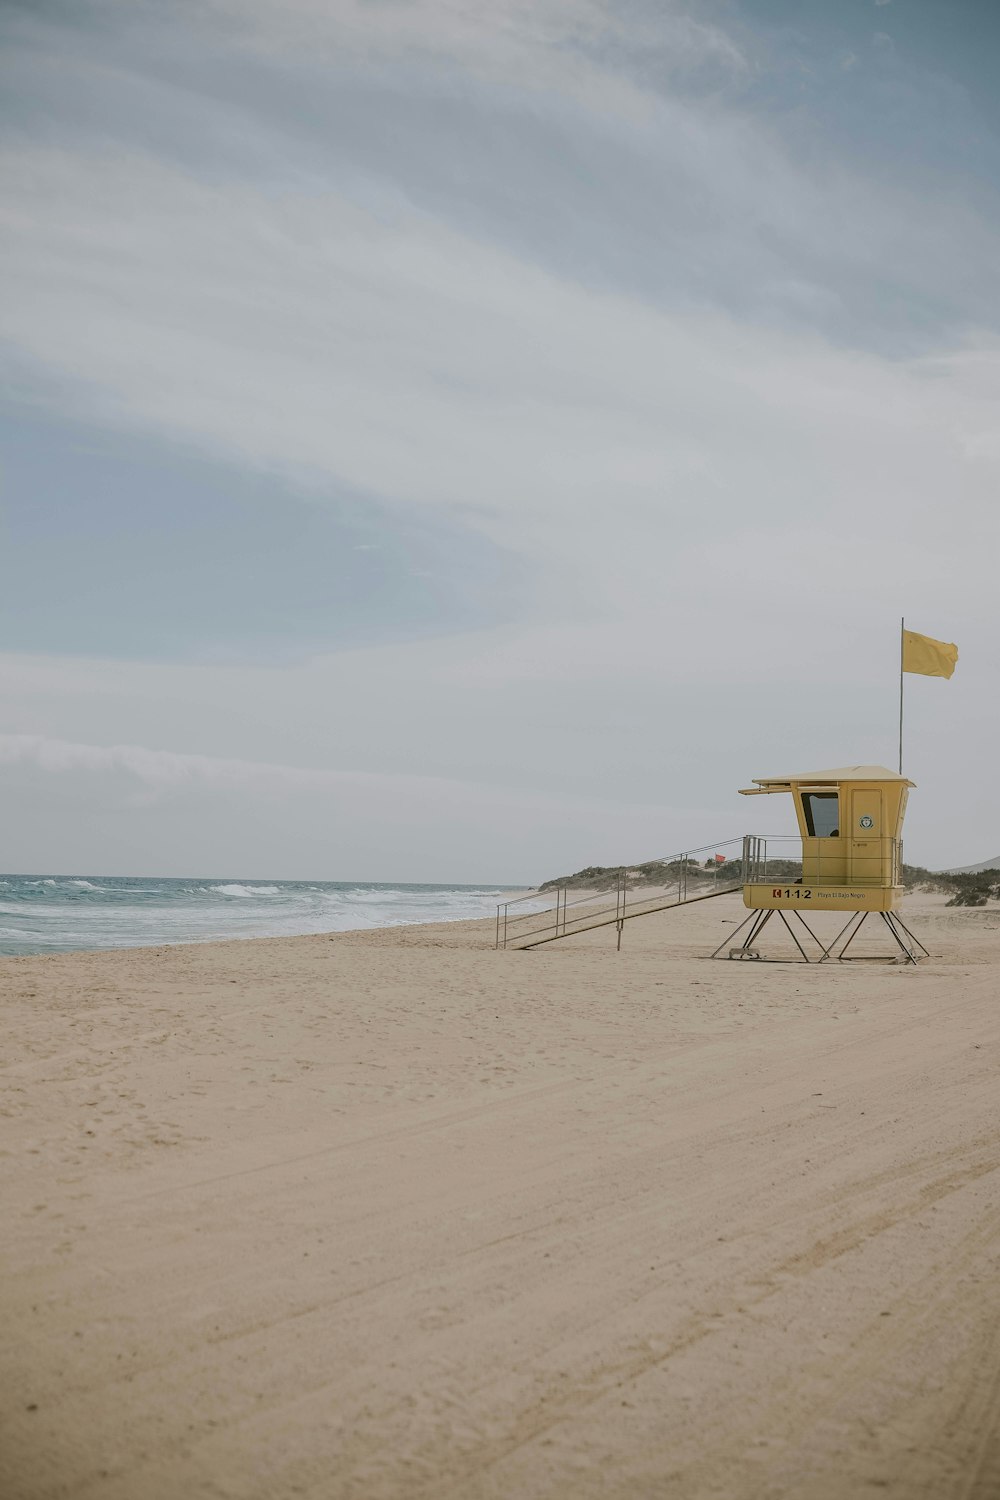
50,913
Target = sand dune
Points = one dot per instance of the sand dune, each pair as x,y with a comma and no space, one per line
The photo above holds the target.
394,1215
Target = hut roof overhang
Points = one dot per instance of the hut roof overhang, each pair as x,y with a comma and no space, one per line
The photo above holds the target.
822,780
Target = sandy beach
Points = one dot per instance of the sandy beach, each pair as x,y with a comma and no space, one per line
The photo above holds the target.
392,1214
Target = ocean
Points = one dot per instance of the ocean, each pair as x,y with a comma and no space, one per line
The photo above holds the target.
53,913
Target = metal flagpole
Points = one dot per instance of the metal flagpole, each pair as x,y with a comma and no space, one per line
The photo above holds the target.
902,623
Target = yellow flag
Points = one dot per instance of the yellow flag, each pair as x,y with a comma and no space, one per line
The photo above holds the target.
931,658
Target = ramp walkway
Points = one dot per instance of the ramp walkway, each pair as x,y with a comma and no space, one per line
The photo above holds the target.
522,924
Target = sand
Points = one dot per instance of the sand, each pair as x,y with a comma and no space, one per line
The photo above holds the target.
394,1215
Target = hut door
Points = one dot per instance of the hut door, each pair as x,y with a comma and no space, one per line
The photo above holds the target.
865,832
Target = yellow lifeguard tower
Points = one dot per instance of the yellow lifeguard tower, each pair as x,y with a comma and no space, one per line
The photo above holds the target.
850,822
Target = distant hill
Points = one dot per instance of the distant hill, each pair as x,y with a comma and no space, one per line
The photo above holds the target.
663,872
987,864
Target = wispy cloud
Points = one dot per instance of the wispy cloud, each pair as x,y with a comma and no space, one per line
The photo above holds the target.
540,44
616,444
243,815
155,769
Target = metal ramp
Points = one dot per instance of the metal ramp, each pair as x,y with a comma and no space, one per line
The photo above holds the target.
690,882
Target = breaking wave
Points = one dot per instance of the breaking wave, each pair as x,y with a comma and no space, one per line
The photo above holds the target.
51,913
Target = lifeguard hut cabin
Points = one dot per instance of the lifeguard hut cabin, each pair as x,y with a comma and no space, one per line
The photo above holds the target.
851,824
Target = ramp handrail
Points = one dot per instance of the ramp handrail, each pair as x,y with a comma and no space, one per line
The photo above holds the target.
556,923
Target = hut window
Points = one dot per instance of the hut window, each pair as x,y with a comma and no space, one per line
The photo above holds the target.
822,814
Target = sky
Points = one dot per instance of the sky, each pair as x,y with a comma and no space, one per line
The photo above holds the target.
449,442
